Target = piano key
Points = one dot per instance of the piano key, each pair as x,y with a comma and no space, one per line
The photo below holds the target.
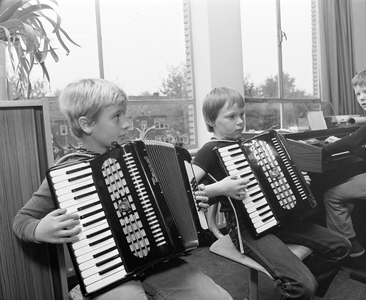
78,194
260,218
262,226
248,203
93,249
92,262
59,174
82,211
96,252
96,270
255,208
81,201
261,212
66,187
98,277
236,161
86,242
70,179
230,148
239,166
106,280
92,204
92,231
91,219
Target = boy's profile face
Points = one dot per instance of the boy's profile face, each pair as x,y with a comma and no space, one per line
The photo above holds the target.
229,123
360,92
111,126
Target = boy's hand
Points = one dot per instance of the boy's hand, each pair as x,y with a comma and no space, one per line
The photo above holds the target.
201,198
235,187
331,139
58,227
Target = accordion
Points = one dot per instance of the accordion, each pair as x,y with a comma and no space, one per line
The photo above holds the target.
136,206
276,190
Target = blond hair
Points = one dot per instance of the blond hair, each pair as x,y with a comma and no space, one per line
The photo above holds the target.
88,97
359,79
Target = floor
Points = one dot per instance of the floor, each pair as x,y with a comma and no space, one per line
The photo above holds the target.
233,277
350,283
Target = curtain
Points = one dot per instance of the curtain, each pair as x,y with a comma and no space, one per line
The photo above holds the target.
336,55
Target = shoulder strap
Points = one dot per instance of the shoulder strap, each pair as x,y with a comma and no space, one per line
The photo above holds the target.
75,156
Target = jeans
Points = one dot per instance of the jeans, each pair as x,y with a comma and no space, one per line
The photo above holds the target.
294,279
338,208
173,280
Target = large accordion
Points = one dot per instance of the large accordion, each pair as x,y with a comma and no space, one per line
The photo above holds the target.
276,190
137,208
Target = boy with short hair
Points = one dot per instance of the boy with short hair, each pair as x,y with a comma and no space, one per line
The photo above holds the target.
95,109
338,207
223,111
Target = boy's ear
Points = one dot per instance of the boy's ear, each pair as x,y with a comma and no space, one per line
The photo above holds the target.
85,125
212,124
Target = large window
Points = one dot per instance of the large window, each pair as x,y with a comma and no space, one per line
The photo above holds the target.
279,62
142,48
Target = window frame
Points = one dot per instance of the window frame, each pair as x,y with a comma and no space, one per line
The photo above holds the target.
281,100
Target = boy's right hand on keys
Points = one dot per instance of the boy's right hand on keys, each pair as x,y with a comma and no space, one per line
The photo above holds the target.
58,227
235,187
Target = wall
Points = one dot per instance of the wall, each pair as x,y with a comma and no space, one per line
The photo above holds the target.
217,51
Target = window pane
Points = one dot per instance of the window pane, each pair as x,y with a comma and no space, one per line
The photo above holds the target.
141,53
259,38
299,49
171,121
262,116
175,125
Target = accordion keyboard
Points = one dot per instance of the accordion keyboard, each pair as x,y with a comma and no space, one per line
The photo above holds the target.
255,203
95,252
277,190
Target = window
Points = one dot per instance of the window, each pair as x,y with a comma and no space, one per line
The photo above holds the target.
279,62
137,51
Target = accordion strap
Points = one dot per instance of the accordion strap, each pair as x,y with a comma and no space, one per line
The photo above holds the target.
236,217
75,156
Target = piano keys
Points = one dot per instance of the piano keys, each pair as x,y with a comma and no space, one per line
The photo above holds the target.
136,207
276,188
95,252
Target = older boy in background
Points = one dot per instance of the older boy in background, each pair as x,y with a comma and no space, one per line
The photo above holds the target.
337,199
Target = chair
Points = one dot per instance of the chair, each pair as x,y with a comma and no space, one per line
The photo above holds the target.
225,248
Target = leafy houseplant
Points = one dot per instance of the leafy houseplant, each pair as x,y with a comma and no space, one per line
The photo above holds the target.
26,39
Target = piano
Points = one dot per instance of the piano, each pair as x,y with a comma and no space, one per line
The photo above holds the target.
306,149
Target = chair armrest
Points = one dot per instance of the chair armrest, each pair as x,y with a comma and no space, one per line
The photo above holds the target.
211,220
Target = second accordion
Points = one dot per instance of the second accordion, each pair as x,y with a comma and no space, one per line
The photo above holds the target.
277,189
136,206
